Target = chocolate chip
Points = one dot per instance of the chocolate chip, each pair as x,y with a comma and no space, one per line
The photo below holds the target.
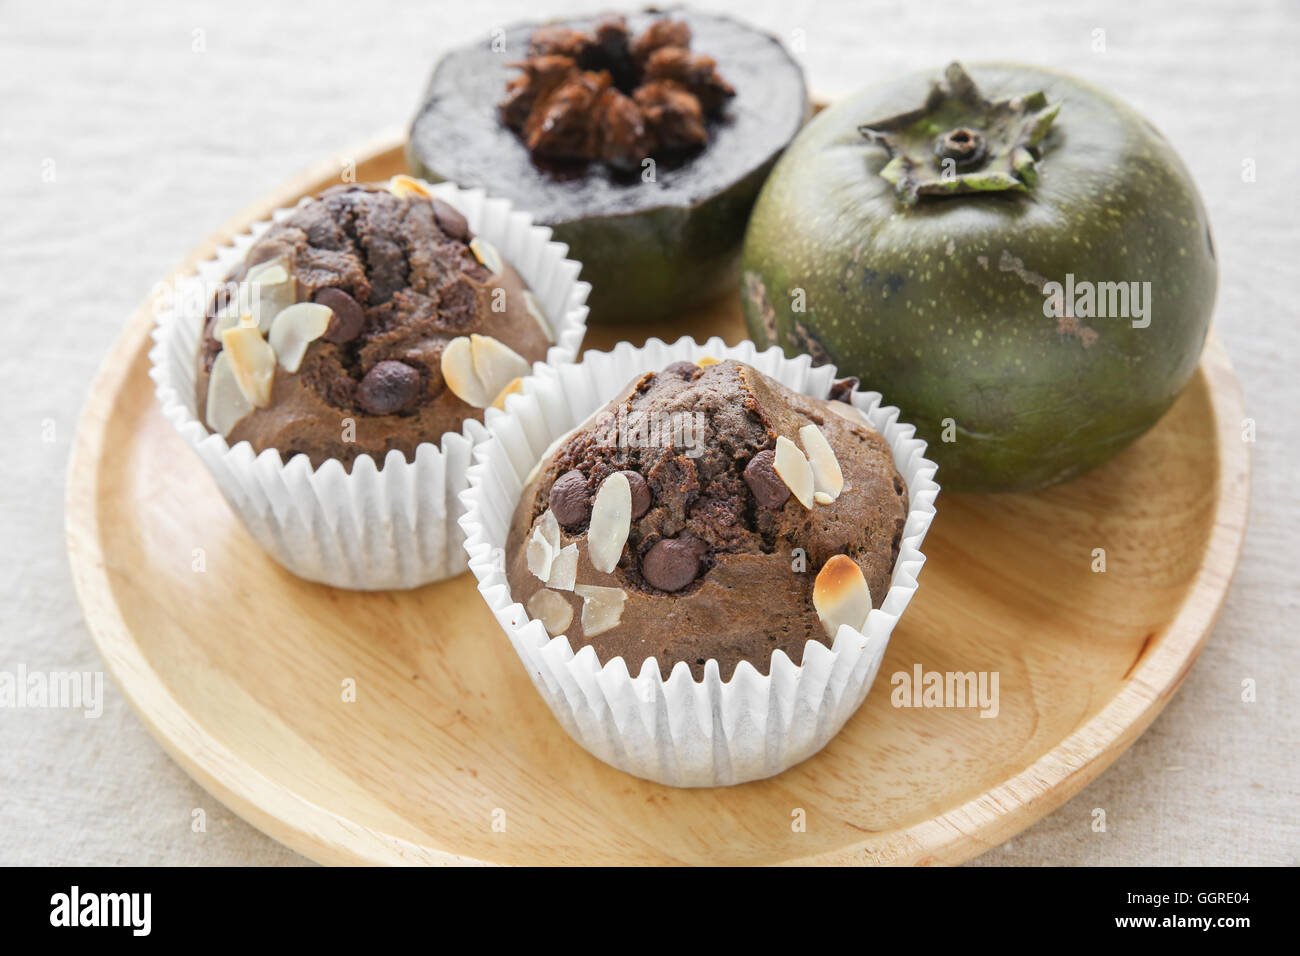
388,388
450,221
767,487
569,500
670,565
348,319
842,389
683,370
640,493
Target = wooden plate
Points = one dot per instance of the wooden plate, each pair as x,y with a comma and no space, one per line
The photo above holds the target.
448,754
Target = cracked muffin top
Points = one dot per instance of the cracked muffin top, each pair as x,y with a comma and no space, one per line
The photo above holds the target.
371,319
709,512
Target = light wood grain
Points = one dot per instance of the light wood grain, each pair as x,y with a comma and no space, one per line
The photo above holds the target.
238,670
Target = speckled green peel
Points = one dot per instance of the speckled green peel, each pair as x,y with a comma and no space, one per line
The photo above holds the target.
941,306
960,142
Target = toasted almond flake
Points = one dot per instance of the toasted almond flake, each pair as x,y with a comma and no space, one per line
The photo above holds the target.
458,372
611,519
850,413
552,609
513,388
840,595
270,271
540,555
226,319
403,187
487,254
294,329
544,546
478,368
251,360
827,476
707,360
267,290
602,607
534,306
550,529
226,406
793,468
496,364
564,569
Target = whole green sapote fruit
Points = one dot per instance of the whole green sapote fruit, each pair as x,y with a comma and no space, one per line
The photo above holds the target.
1015,258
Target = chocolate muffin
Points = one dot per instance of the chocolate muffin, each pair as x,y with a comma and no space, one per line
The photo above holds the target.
708,512
369,320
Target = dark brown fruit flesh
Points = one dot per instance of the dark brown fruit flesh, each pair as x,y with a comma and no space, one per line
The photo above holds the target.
649,249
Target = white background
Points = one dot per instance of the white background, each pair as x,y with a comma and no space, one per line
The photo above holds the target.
154,145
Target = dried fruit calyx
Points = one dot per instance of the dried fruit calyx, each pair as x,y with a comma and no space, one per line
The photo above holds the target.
612,97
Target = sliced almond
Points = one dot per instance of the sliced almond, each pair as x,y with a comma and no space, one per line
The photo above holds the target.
550,529
540,555
564,569
840,595
294,329
850,412
707,360
496,364
403,187
543,546
534,306
251,360
458,373
793,468
487,254
478,368
271,271
552,609
227,318
602,608
226,406
500,401
822,498
827,477
269,289
611,519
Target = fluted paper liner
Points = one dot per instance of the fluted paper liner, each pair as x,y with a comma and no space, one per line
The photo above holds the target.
373,528
679,731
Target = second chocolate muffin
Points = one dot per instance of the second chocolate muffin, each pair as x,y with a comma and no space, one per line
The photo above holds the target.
708,513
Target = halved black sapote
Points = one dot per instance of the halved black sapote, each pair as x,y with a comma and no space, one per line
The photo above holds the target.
653,237
1015,258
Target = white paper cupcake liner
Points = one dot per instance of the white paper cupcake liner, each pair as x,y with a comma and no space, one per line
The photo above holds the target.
373,528
679,731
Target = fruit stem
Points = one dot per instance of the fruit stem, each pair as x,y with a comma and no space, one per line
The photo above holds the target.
963,145
988,147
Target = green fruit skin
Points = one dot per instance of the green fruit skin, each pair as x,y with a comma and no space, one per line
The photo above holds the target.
926,306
